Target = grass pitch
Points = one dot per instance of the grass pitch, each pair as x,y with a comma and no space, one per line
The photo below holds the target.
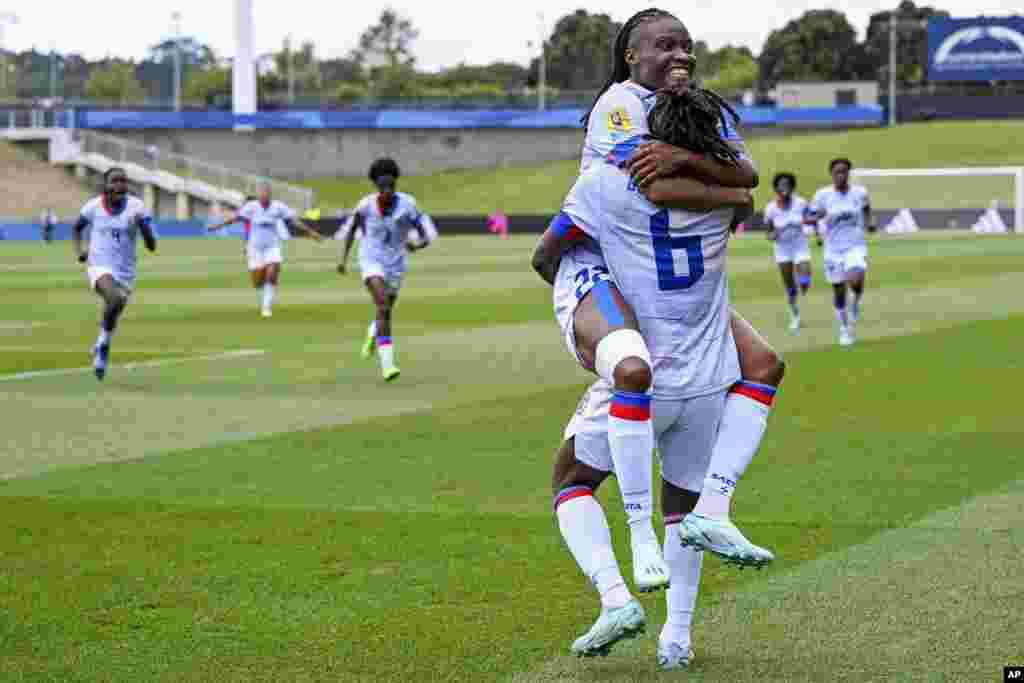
250,502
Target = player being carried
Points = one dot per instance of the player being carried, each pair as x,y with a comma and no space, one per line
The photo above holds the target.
115,219
384,218
267,224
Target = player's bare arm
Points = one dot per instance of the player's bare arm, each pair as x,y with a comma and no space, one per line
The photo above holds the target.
76,239
357,223
299,224
654,160
148,233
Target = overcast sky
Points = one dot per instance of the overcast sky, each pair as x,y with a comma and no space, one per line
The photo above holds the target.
476,32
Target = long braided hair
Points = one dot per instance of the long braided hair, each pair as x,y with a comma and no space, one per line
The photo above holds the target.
620,68
694,119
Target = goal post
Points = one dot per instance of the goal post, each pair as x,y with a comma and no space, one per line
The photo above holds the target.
947,191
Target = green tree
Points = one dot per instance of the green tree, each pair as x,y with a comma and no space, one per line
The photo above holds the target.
821,45
733,69
911,43
387,43
579,51
114,81
209,85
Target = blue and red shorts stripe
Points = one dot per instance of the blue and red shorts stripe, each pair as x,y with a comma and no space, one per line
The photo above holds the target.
627,405
762,393
571,492
674,519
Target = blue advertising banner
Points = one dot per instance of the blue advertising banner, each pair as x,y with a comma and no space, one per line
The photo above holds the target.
979,49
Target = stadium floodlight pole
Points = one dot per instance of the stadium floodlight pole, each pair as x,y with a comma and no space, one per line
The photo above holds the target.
176,37
290,68
892,69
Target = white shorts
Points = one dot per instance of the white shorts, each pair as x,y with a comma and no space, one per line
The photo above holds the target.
839,263
577,274
792,252
392,276
96,272
685,431
263,256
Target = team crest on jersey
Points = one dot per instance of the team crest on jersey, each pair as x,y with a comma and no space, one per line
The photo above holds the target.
618,120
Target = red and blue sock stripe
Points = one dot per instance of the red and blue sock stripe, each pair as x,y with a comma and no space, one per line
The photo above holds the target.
762,393
674,519
627,405
571,492
383,341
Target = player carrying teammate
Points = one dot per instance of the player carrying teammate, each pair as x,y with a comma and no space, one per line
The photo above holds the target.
846,210
264,219
784,217
385,219
115,219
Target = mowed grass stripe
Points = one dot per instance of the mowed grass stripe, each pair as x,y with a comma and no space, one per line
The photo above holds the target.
451,577
937,600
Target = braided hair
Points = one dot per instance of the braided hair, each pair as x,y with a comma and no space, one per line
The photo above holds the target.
694,119
620,68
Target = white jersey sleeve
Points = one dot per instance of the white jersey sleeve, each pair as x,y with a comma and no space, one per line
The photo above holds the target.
617,124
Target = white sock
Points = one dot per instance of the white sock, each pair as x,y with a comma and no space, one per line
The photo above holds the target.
371,331
841,316
631,439
104,337
681,597
585,530
268,295
386,353
744,421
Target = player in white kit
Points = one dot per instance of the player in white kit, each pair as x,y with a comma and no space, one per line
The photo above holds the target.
267,223
785,216
115,219
846,211
385,220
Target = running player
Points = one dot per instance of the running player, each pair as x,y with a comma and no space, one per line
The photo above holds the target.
263,220
385,219
785,217
652,48
846,209
115,220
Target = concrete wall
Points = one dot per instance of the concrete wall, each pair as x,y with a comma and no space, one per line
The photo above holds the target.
800,94
297,154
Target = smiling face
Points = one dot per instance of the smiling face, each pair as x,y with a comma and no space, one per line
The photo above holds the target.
660,55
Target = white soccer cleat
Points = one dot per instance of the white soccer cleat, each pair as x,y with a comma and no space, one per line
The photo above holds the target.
266,313
846,337
650,573
721,537
794,323
612,626
672,656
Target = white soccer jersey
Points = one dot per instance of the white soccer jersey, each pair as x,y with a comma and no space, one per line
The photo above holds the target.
384,234
788,222
670,267
264,222
844,216
618,124
113,235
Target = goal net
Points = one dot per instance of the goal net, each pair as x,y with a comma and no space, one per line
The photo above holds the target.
980,199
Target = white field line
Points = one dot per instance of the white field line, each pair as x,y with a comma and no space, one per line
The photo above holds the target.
35,374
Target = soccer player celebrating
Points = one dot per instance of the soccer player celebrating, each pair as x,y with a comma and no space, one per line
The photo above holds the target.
385,219
263,218
654,48
846,210
115,220
784,217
